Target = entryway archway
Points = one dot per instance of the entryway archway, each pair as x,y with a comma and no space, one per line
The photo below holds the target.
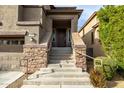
61,33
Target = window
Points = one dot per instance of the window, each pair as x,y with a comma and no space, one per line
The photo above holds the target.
26,13
11,42
1,42
8,42
14,42
4,42
21,42
92,37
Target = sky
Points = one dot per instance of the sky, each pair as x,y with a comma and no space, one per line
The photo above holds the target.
88,10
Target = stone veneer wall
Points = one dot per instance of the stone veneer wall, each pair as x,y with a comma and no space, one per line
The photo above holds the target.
36,55
80,59
79,50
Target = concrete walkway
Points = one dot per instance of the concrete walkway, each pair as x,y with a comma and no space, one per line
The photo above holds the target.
116,84
8,77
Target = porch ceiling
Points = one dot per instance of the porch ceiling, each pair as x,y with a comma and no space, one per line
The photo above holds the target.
61,23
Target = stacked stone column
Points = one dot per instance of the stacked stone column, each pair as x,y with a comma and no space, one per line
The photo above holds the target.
79,49
80,57
36,56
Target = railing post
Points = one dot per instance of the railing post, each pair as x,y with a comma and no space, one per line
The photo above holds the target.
22,60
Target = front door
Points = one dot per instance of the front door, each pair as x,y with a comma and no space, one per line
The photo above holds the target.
61,37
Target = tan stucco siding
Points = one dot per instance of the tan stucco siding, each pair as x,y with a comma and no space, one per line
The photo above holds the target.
97,48
89,26
31,14
85,34
30,30
9,17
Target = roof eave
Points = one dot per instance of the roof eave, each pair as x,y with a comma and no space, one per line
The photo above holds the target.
54,11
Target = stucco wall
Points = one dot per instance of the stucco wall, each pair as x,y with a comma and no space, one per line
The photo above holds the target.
30,30
89,26
44,28
97,48
85,34
11,48
30,15
74,23
10,61
9,17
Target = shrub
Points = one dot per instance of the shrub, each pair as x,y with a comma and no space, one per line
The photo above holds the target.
111,32
108,67
97,79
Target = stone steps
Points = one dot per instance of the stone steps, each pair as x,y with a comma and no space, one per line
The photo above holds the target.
61,72
57,86
60,65
60,52
73,69
54,54
61,58
61,61
76,86
61,49
40,86
57,81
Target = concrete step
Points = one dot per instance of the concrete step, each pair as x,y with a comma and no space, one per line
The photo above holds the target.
40,86
60,65
61,61
57,81
61,48
70,54
51,70
68,65
57,86
60,52
60,75
53,66
76,86
60,57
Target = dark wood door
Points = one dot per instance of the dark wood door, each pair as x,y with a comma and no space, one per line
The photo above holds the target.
61,37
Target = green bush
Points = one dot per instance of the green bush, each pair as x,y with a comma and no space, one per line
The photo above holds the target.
108,67
97,79
111,32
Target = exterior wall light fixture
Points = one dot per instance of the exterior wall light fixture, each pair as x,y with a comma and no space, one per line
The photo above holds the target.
32,37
